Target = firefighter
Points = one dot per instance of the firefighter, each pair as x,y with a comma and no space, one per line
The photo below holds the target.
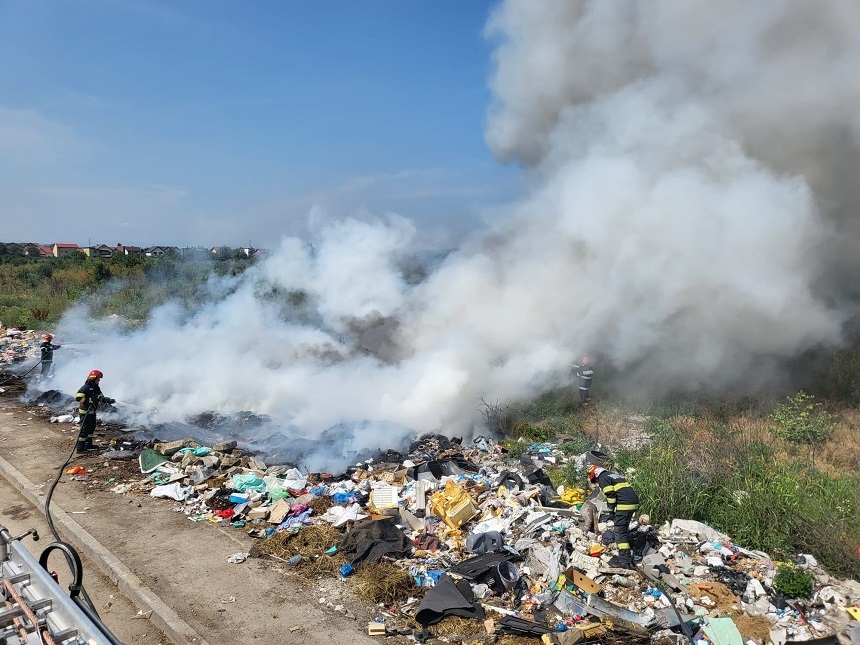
89,397
47,354
585,373
623,502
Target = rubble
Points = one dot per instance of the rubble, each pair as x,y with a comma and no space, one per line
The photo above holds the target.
457,535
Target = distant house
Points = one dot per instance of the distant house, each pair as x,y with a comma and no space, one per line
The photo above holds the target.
45,251
99,251
61,250
128,250
156,251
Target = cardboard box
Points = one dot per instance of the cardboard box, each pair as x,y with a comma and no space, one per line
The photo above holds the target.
582,581
279,511
258,513
376,629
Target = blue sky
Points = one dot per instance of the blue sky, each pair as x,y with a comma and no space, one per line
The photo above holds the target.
212,122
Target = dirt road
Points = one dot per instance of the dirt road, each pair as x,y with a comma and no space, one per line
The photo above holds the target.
183,562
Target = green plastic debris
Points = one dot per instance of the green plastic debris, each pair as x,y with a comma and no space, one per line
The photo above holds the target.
150,459
722,631
199,451
278,493
331,550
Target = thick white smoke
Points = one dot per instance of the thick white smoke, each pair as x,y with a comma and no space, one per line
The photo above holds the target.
686,208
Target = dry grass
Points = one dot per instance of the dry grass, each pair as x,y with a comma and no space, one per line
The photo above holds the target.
724,600
842,452
310,542
756,628
320,505
710,434
381,583
457,626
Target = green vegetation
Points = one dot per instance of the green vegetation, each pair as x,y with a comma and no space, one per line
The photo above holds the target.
732,464
801,420
35,293
793,582
514,449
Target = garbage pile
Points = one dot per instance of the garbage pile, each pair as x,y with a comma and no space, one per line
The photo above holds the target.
17,345
458,543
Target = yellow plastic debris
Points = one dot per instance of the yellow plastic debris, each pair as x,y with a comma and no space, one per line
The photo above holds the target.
454,505
854,612
573,496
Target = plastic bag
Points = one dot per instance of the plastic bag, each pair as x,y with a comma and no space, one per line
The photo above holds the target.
247,482
277,493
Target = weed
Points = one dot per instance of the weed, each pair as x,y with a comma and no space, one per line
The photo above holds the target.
792,582
514,449
801,420
531,432
575,446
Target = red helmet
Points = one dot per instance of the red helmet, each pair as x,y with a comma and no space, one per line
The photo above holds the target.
95,374
592,473
48,337
585,359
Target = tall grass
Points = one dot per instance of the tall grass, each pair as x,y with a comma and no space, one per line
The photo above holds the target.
749,487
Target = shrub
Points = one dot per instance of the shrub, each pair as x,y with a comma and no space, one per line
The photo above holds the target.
801,420
793,582
573,476
576,446
526,430
515,449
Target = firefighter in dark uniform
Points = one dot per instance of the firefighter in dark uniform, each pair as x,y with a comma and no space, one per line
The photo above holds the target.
623,502
47,354
89,397
585,373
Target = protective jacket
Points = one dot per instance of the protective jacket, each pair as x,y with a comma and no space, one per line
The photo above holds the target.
48,350
585,373
619,494
89,397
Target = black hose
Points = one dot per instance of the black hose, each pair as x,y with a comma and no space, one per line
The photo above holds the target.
54,485
9,380
74,561
93,616
77,592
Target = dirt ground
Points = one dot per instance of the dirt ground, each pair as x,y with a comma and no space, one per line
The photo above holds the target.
183,562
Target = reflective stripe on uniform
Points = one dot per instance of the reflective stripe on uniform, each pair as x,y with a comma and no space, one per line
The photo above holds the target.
620,485
627,507
623,545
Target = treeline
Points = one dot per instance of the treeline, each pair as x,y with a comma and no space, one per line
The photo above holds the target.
34,293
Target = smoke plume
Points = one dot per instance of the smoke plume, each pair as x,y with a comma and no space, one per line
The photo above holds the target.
691,220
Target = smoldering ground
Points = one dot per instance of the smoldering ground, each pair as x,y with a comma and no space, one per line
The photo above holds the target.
692,219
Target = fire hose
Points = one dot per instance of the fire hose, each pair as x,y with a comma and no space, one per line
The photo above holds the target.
77,592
